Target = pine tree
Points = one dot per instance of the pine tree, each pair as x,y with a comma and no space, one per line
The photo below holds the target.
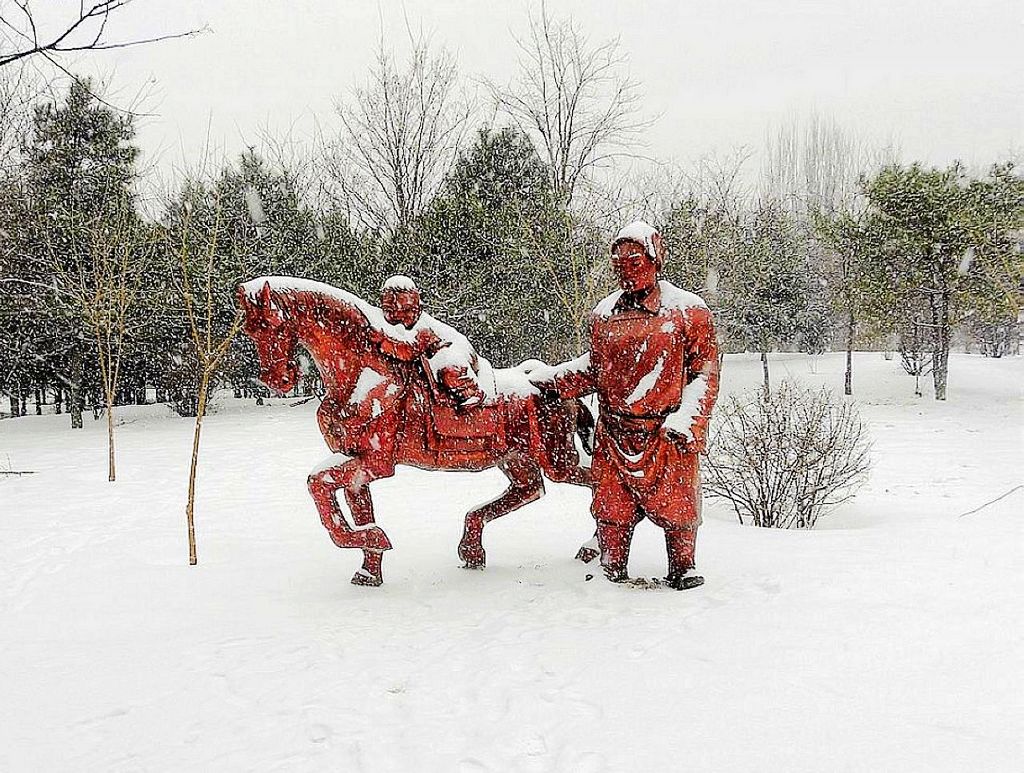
489,252
768,291
949,241
79,159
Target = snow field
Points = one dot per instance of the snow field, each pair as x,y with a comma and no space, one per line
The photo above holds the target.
887,639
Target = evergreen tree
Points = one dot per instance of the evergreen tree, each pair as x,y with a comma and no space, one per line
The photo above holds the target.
78,169
488,252
947,240
768,291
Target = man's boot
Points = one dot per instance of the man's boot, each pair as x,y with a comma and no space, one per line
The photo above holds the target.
681,546
614,540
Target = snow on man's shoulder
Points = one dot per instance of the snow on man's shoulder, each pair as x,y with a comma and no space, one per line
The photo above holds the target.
607,306
672,297
677,298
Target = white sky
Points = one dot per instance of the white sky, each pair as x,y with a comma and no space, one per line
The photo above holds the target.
942,79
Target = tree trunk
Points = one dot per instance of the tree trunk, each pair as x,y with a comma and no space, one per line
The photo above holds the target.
189,509
14,402
58,400
39,401
848,382
940,349
77,400
111,471
764,368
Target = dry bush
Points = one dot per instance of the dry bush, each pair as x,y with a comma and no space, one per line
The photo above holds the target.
785,458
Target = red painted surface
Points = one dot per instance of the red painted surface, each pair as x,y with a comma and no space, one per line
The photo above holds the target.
647,348
409,415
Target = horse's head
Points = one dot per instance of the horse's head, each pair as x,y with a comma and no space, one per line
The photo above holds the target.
275,337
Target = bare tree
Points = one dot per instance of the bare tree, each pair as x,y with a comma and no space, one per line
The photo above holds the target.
18,90
103,280
574,99
211,344
719,181
813,166
400,133
25,31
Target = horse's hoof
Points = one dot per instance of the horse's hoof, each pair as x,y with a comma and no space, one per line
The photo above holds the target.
473,558
364,578
586,555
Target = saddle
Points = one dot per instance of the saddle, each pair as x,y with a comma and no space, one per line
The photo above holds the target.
458,430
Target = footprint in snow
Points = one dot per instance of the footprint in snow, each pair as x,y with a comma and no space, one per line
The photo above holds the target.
318,732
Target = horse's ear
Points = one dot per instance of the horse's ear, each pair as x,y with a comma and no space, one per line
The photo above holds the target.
269,310
265,299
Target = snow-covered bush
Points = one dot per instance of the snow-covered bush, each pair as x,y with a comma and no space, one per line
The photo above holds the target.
786,457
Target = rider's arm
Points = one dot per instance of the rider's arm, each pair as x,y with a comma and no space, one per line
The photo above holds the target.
456,369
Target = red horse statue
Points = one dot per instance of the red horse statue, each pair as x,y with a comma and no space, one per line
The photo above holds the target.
404,388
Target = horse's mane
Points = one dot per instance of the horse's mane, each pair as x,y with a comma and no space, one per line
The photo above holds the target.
285,289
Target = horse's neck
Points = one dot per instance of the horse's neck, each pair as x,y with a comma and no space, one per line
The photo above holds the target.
334,334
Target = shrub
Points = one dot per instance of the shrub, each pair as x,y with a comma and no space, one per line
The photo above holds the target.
785,458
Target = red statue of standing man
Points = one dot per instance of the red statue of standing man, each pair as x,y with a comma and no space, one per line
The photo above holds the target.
653,362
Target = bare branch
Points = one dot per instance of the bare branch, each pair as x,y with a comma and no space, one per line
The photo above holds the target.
574,100
84,32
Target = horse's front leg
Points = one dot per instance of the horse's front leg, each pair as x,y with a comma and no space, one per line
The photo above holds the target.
360,504
353,476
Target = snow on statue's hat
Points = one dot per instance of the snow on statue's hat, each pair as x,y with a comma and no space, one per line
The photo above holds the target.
400,283
643,234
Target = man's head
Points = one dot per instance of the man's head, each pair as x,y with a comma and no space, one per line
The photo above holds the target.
400,301
638,253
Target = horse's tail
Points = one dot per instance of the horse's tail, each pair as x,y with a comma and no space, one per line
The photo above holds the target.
585,426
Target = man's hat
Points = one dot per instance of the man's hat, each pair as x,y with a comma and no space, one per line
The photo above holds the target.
399,283
645,235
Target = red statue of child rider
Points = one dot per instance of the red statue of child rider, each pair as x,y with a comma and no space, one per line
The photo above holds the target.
653,362
452,360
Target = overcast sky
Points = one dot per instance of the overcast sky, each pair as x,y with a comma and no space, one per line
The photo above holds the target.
942,79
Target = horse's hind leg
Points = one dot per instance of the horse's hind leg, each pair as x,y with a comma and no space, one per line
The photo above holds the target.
589,550
525,486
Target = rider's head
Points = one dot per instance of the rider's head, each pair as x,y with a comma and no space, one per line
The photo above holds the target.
400,301
638,253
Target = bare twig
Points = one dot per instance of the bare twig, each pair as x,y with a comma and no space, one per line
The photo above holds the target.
84,32
992,502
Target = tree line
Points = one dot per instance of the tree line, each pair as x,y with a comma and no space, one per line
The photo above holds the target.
109,298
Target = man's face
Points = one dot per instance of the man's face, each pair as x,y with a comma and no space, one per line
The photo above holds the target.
634,268
401,307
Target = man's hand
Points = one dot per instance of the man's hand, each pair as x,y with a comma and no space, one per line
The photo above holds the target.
461,385
684,443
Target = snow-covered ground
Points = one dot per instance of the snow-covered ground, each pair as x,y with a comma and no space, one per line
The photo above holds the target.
888,639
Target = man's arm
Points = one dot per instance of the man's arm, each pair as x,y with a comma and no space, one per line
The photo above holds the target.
406,350
571,379
691,419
